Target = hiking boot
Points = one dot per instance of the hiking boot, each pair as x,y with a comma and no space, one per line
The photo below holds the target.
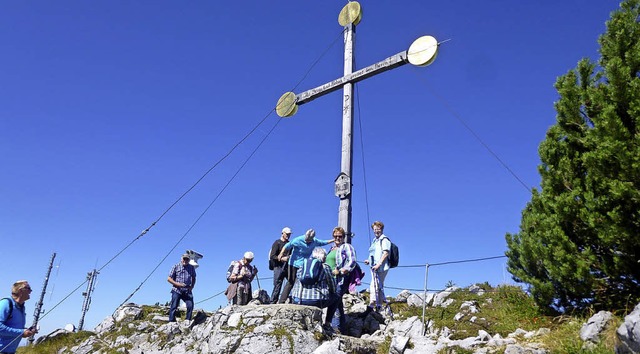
327,330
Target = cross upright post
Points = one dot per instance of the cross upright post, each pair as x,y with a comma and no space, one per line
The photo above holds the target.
343,182
422,52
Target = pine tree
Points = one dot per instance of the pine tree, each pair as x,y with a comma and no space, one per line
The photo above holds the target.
578,245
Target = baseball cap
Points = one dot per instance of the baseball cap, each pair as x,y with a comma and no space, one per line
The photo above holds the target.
286,230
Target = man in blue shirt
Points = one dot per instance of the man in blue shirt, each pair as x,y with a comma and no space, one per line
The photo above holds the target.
13,317
183,279
301,246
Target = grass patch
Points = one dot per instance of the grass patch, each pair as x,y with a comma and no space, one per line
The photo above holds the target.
383,348
565,337
504,309
281,333
54,345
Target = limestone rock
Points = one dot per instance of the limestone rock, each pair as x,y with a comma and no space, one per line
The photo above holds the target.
629,333
590,331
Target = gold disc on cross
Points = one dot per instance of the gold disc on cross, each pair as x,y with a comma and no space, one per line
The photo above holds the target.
286,106
350,13
423,51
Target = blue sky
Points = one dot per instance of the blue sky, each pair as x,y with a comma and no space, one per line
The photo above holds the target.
110,110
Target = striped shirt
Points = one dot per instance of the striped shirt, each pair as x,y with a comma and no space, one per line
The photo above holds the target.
183,274
319,291
345,259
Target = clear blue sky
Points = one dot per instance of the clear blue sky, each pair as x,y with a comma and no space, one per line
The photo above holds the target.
110,110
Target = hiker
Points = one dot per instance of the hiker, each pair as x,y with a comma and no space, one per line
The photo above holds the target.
378,260
13,317
301,248
345,263
319,292
242,274
279,264
183,278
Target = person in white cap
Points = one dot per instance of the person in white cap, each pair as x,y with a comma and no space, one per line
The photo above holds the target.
279,264
239,291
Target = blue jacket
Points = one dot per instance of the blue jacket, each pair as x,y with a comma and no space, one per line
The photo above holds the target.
11,329
302,249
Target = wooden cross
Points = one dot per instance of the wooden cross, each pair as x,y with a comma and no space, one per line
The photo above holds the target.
422,52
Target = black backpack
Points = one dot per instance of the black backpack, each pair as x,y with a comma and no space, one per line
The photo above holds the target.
394,254
271,262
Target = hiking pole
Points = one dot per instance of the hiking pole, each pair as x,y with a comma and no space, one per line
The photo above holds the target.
376,284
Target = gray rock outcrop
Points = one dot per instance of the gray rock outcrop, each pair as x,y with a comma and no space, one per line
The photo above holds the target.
591,330
629,333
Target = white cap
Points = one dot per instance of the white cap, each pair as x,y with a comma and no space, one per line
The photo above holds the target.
248,255
286,230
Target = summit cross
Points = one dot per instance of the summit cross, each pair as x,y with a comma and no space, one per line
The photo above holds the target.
422,52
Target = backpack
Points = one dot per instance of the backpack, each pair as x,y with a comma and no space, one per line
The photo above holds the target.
310,271
10,308
394,254
230,270
271,262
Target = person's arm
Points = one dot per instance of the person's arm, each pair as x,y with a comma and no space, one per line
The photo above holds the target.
174,283
385,244
278,252
350,261
193,280
171,278
284,249
324,242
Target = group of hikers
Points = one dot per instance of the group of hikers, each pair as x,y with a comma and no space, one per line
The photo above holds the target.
314,277
311,275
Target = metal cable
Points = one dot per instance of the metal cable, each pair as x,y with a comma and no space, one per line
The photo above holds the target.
475,135
145,231
205,210
364,170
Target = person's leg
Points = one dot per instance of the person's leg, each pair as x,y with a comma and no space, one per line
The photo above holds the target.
381,277
331,304
342,320
373,290
278,277
188,301
175,300
291,279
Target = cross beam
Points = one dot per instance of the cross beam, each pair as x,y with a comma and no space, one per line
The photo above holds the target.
422,52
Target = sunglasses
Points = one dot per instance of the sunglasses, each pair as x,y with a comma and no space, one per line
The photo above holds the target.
338,236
